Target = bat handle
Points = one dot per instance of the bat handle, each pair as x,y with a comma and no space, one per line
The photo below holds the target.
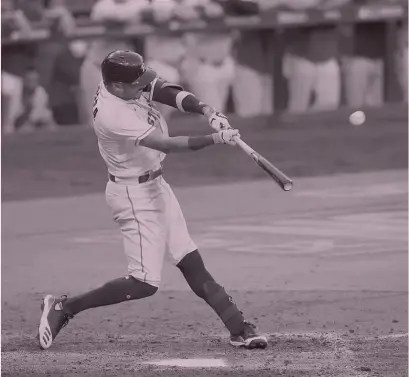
246,148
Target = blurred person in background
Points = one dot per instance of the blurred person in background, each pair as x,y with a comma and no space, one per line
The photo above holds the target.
402,58
310,64
65,83
363,67
14,23
61,23
15,60
113,14
209,64
34,111
32,9
253,68
165,53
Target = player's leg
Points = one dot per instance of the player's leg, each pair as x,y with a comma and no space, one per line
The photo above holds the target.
56,312
142,226
356,72
203,80
252,85
300,74
202,283
374,95
327,86
11,89
225,78
187,258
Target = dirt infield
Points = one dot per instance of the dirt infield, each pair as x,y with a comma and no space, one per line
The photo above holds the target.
321,270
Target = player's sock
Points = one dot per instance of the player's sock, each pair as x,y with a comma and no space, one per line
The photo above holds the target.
203,284
115,291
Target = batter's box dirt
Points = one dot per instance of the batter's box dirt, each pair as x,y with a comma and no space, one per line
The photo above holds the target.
303,354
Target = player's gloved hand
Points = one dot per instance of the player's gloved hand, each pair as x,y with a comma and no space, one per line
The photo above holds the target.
226,136
219,121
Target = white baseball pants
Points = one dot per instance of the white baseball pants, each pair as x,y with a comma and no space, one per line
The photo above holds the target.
151,223
209,82
305,77
364,81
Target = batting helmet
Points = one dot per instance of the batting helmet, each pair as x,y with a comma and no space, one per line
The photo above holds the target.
126,67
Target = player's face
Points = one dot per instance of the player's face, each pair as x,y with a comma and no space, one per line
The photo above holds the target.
128,91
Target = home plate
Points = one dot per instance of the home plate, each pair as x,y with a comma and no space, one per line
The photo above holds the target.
190,363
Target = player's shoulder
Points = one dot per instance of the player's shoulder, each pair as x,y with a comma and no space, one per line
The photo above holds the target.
114,112
116,115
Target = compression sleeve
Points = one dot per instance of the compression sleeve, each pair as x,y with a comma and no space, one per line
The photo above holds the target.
173,95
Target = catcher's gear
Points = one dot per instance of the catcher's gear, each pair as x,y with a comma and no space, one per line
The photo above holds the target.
126,67
219,121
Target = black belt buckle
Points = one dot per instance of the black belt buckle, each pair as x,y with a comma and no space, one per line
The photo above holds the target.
145,178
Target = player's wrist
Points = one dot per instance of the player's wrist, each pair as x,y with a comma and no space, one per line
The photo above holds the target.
217,138
207,110
198,142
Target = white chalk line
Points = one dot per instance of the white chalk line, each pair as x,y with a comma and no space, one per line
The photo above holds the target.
388,336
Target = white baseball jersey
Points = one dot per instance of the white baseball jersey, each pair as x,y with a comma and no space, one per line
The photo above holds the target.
120,125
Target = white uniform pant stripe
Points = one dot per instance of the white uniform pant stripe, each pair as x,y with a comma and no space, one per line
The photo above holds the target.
139,231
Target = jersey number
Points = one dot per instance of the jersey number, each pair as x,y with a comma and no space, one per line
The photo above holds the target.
94,105
152,118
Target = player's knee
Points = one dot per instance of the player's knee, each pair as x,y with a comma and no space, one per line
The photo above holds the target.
140,288
191,262
151,290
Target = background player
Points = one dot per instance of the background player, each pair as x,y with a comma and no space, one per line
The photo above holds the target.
133,140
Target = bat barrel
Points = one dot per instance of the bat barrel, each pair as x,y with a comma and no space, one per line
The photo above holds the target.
288,185
273,172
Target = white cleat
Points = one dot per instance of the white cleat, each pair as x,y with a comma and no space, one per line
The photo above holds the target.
249,338
53,319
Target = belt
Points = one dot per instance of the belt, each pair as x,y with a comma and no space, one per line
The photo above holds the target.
149,176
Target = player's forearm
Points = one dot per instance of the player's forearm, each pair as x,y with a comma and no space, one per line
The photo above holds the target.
188,143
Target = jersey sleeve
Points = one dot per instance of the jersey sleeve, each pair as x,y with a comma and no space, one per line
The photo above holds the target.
131,129
157,86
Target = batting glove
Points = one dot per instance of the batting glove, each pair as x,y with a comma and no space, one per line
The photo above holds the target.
226,136
219,122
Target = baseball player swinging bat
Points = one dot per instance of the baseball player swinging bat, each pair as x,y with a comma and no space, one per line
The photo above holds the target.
133,140
282,180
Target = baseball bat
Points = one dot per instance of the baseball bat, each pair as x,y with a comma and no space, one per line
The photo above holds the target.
277,175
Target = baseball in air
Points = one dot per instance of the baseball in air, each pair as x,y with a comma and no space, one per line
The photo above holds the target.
357,118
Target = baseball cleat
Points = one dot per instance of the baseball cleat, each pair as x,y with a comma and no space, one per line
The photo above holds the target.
249,338
53,319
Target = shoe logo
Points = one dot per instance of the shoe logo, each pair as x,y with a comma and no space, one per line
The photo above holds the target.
231,300
58,306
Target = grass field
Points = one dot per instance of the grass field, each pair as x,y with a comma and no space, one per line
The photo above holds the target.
322,269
